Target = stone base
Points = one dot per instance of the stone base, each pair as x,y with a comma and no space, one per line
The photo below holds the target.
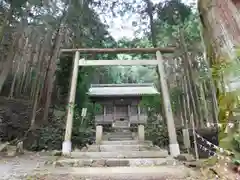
66,148
99,134
123,147
120,154
141,133
174,150
120,138
132,142
136,162
186,138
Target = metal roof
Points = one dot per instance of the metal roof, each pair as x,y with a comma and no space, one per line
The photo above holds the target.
122,89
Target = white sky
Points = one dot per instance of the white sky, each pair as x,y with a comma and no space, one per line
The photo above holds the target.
122,26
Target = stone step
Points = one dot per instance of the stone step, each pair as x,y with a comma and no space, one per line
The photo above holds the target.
126,142
121,131
121,127
114,162
121,173
121,154
127,147
120,135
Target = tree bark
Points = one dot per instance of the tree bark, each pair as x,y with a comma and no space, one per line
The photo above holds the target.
6,22
51,75
8,63
192,88
203,99
221,34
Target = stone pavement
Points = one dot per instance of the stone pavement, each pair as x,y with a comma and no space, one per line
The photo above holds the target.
121,173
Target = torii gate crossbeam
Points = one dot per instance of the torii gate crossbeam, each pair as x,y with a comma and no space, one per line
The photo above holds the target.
173,144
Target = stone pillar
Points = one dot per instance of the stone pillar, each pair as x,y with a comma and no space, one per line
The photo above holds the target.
141,132
186,139
99,134
67,145
173,144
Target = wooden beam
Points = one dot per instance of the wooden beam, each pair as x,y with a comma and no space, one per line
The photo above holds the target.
83,62
121,50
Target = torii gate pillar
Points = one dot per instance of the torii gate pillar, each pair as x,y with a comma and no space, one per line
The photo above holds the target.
67,145
173,144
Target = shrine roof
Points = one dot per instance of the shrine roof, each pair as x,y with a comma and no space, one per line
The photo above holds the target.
107,90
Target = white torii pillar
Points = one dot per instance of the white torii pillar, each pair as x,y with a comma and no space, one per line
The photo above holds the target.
67,145
173,144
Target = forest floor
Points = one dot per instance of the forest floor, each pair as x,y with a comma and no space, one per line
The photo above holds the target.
32,166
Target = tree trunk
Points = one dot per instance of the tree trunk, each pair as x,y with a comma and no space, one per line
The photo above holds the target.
221,34
39,57
21,55
149,11
186,102
10,96
17,43
204,103
6,22
51,75
8,63
190,80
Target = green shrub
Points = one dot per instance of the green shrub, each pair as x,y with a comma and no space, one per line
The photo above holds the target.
236,142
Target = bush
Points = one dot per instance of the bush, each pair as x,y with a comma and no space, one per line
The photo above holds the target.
156,130
51,136
48,137
236,142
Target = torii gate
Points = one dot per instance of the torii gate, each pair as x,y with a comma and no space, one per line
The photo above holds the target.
173,144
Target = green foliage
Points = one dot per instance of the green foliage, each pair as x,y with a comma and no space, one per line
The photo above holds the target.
173,12
224,71
63,74
49,137
98,108
236,142
83,128
153,103
17,3
156,129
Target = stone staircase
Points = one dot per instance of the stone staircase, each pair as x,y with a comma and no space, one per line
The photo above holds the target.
120,155
120,135
114,160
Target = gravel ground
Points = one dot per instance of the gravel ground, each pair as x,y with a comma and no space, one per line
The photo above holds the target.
12,168
122,177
